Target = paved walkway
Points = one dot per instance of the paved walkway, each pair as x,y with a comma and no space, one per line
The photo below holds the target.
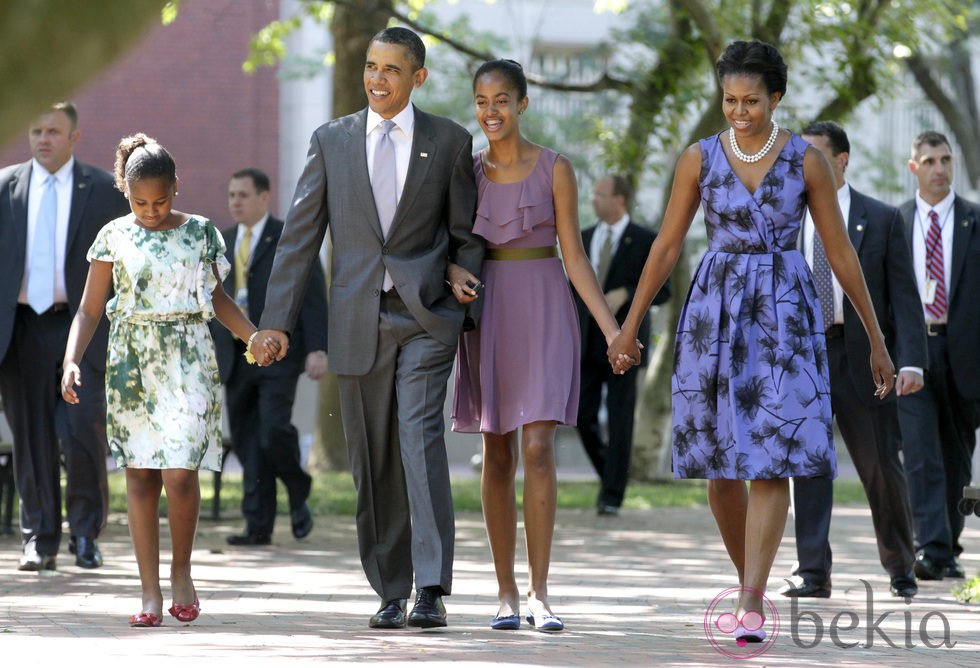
633,591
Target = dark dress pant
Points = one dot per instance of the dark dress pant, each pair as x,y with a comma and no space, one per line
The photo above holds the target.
872,437
260,409
45,427
938,437
611,460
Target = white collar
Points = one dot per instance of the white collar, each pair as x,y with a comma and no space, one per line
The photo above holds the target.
403,120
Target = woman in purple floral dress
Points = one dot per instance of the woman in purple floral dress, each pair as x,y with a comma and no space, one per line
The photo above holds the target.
750,388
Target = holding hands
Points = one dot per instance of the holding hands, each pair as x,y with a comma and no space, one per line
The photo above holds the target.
267,346
623,352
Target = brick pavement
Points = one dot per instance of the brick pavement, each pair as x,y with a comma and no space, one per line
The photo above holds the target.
632,590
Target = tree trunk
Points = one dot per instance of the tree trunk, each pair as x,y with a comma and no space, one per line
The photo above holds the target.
352,28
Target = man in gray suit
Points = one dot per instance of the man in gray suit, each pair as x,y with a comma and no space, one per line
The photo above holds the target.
395,188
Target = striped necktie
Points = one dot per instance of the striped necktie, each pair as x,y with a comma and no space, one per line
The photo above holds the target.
935,267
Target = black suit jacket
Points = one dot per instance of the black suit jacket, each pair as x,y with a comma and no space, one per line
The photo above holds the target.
94,202
310,332
625,268
878,235
962,293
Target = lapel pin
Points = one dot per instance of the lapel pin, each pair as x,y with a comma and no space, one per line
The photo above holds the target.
423,155
965,223
81,185
860,228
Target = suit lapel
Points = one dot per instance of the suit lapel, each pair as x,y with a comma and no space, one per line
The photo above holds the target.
908,219
857,220
79,198
19,189
269,235
964,224
422,155
355,151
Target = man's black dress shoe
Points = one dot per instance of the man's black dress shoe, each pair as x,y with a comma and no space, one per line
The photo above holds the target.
606,509
32,560
302,520
86,551
954,569
806,590
249,538
390,616
904,586
429,611
927,569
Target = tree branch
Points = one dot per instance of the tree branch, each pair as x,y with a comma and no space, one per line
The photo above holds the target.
605,81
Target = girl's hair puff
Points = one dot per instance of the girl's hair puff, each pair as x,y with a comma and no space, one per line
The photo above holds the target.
140,157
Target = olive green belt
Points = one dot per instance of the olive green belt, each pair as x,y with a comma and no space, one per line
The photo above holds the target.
534,253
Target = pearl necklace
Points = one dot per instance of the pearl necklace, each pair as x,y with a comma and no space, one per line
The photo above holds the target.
758,156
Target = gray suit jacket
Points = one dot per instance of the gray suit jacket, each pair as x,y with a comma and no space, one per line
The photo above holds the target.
432,226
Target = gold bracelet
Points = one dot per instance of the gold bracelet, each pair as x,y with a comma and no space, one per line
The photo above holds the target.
249,357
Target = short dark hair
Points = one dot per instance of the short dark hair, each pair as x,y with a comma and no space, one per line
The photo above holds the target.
835,134
509,69
754,58
259,178
69,110
930,137
406,38
621,185
140,157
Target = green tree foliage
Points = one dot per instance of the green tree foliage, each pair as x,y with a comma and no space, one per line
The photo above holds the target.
49,50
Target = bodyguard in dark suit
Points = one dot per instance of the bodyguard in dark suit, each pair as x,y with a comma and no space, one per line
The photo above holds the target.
618,248
51,208
939,424
394,186
868,425
260,399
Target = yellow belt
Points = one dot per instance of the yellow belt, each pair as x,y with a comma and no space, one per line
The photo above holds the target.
534,253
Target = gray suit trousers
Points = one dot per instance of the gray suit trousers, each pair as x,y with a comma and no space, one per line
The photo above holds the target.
395,430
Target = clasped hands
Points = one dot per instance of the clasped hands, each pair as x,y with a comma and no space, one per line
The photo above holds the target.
623,352
268,346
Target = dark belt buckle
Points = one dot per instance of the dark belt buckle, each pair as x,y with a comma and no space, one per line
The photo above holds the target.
834,332
935,329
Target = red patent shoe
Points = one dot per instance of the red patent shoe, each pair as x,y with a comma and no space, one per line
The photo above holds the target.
186,613
144,619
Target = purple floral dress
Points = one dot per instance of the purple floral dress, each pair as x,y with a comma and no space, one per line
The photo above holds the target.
750,389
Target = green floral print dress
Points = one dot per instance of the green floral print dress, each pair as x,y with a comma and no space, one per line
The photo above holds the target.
162,385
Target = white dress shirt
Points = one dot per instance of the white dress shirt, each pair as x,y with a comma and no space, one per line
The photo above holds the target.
64,181
920,229
603,229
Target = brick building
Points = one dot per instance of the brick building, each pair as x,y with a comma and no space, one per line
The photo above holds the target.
184,85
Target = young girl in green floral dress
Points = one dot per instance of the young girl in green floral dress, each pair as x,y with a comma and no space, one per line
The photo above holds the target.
162,386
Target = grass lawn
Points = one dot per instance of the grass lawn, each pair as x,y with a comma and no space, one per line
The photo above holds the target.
333,493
